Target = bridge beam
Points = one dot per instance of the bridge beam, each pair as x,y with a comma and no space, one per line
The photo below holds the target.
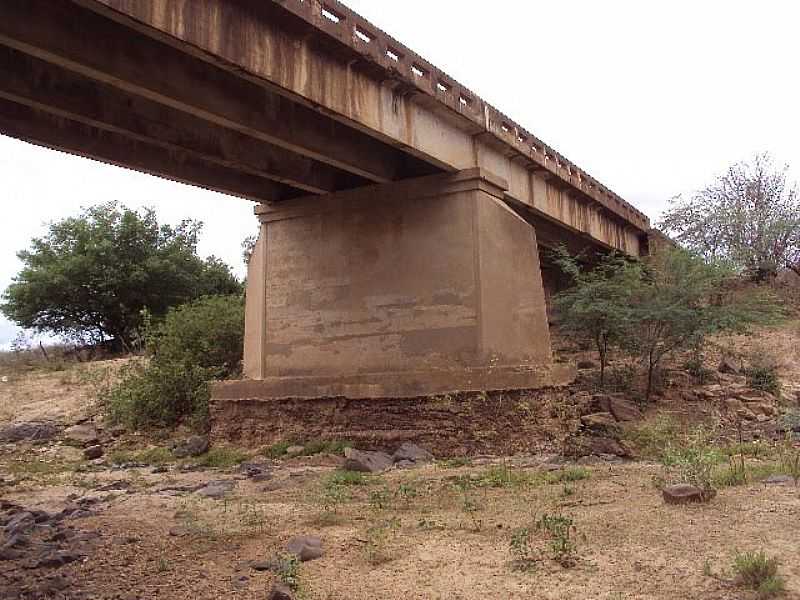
413,288
52,131
30,81
79,40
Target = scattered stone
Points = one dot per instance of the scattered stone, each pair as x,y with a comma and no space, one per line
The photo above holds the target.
59,558
366,461
193,446
584,365
624,410
728,365
412,453
159,470
216,489
240,582
93,452
257,472
603,420
779,480
280,592
31,432
81,435
292,451
602,446
684,493
263,565
305,547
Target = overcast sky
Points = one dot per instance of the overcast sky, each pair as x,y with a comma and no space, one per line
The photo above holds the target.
653,99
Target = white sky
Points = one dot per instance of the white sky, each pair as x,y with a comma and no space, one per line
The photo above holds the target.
651,98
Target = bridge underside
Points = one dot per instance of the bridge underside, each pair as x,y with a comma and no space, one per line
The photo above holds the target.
401,217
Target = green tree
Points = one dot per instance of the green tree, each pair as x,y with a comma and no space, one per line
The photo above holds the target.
92,275
749,216
681,300
597,306
193,344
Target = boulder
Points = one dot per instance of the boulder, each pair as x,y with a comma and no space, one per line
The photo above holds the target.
305,547
81,435
779,479
602,446
624,410
683,493
280,592
412,453
601,420
729,365
295,450
366,461
216,489
193,446
30,432
93,452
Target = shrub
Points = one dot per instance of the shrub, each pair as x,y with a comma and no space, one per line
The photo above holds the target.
762,374
756,571
195,343
562,543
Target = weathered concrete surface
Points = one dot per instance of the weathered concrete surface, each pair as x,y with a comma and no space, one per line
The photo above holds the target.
320,85
403,289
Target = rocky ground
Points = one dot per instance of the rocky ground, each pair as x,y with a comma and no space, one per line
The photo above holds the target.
93,512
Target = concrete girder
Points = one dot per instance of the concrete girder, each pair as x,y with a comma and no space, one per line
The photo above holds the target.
62,33
51,131
30,81
292,48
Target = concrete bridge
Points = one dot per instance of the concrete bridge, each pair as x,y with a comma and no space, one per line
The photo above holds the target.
402,216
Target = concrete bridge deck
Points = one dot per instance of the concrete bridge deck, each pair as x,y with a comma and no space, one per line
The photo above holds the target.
303,105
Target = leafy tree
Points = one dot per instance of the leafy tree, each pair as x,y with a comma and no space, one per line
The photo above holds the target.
681,300
195,343
749,216
597,307
92,275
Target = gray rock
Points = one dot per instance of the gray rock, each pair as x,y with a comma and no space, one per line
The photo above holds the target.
305,547
728,365
240,582
413,453
93,452
193,446
366,461
280,592
81,435
31,432
603,420
216,489
684,493
779,479
295,450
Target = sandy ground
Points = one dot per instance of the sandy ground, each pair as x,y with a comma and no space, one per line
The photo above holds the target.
403,534
163,544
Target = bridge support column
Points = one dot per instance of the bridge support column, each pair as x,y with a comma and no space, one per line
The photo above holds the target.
405,289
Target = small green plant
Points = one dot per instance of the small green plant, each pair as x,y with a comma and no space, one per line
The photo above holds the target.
407,492
348,478
221,458
521,549
380,535
694,461
568,475
276,450
324,447
756,571
653,438
288,571
762,373
456,462
380,499
560,530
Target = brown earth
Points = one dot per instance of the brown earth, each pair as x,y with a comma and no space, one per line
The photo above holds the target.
433,532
